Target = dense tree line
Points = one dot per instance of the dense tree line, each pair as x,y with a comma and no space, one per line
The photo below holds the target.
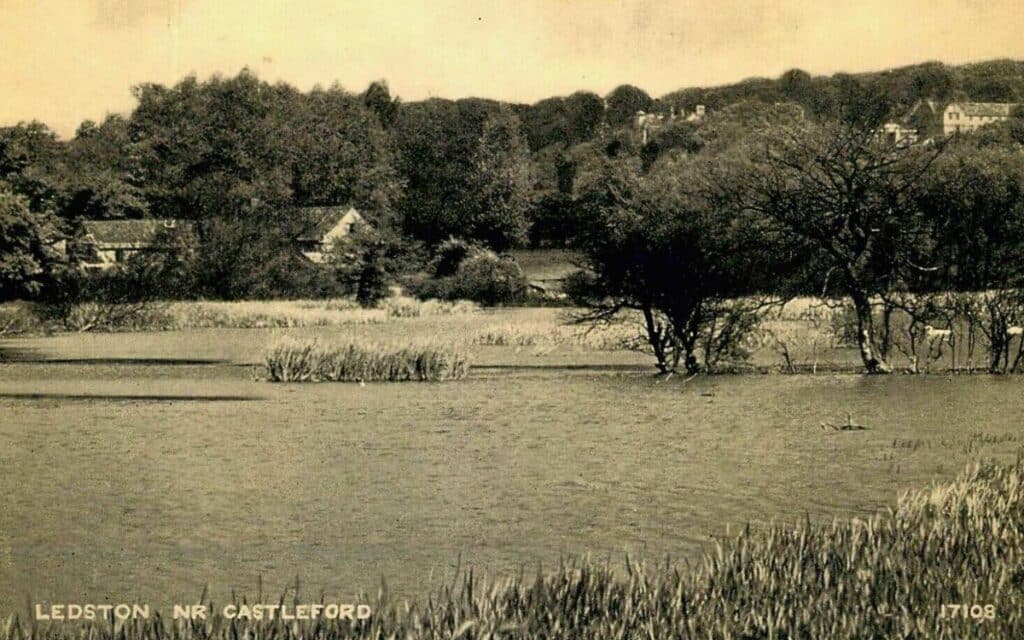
797,206
901,88
784,187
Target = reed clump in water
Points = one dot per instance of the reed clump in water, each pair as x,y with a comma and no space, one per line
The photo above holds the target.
294,360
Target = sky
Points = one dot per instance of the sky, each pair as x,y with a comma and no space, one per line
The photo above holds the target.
63,61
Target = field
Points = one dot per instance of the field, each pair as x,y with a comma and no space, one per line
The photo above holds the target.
159,465
546,265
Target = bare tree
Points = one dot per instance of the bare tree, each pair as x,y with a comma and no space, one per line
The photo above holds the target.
850,194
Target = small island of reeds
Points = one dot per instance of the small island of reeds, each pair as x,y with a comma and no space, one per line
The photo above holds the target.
295,360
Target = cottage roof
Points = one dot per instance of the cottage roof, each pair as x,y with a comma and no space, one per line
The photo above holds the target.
930,108
320,221
931,105
129,233
985,109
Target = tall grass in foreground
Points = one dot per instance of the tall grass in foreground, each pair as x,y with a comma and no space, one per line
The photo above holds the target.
884,577
293,360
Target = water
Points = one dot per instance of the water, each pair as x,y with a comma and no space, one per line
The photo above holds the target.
140,479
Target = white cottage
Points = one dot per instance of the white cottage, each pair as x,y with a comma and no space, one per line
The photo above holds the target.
101,244
327,224
969,116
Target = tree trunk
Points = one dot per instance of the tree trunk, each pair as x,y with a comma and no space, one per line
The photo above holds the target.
873,362
688,342
692,365
885,345
655,338
689,345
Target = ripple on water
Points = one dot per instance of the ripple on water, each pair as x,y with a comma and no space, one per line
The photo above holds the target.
161,493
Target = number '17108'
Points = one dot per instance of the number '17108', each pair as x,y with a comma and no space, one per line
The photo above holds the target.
968,611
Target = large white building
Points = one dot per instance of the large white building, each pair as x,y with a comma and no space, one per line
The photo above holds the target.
969,116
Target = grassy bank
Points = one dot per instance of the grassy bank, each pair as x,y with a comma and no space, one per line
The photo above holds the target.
293,360
887,576
21,318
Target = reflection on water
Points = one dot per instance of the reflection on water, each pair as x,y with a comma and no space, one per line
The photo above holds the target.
125,497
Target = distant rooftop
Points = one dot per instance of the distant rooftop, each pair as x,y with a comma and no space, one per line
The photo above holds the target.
129,233
319,221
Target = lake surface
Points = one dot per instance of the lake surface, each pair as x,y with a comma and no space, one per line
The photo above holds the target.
149,466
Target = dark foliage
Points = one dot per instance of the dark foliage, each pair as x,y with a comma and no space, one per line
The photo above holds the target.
449,255
624,102
366,263
481,276
663,245
467,172
28,259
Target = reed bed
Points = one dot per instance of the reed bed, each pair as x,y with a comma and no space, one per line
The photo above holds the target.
294,360
309,313
613,337
408,307
887,576
201,314
263,314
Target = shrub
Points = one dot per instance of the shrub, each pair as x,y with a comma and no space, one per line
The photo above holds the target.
490,280
128,316
309,361
483,277
19,317
424,287
117,299
365,262
449,255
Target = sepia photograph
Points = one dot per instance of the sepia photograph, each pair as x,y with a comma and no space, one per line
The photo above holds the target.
511,319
